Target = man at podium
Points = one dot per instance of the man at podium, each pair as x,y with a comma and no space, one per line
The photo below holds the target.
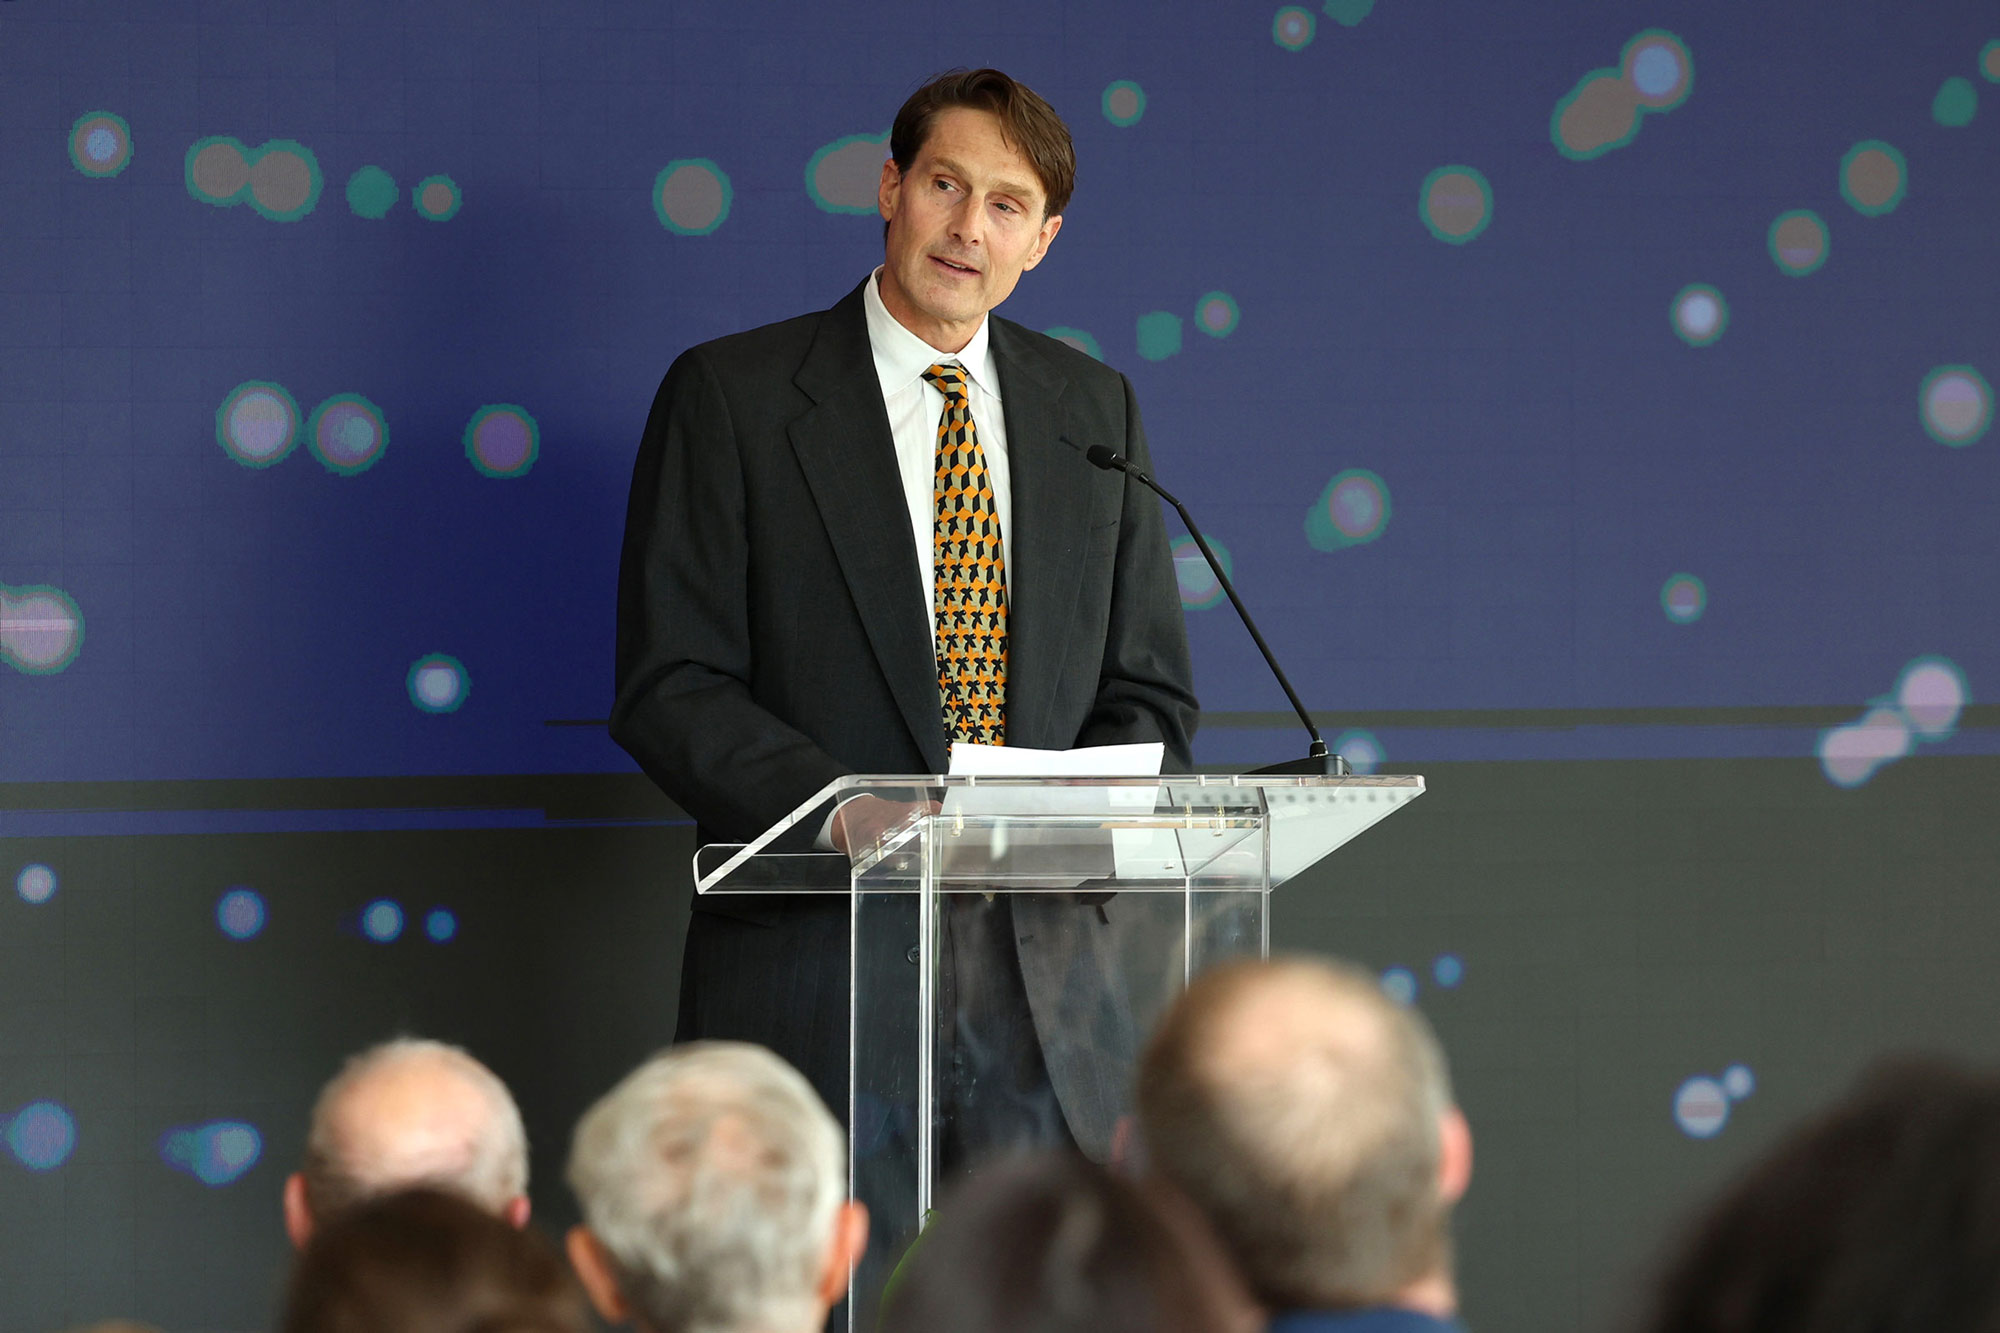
860,535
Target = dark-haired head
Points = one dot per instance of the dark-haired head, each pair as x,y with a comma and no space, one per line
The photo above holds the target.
425,1261
1057,1244
1882,1213
1028,124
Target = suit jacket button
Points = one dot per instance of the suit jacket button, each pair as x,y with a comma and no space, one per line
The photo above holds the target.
914,954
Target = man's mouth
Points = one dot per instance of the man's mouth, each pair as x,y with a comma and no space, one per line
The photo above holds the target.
953,266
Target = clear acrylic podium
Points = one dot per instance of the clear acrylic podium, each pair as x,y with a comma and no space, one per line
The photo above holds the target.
1120,890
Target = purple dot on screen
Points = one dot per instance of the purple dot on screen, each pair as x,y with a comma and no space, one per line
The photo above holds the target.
36,883
240,914
42,1135
502,441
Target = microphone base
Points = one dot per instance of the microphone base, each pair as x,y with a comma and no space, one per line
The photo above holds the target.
1312,766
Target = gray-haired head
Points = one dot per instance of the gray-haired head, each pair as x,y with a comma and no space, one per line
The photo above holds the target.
414,1112
1308,1115
713,1176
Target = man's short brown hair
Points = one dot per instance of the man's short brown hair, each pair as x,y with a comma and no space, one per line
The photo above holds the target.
428,1259
1026,121
1301,1108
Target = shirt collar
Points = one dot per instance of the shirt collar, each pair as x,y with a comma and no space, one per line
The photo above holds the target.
901,357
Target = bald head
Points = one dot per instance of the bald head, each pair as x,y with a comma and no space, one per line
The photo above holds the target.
1310,1116
410,1112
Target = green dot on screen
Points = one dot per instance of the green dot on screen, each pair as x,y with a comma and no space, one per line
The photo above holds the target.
1347,13
371,192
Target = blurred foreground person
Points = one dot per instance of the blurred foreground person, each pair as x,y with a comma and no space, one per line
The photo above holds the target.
1057,1244
1881,1214
1310,1117
713,1183
428,1261
410,1112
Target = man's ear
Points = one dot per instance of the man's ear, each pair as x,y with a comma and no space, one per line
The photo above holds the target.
1048,234
515,1214
298,1214
850,1242
1454,1155
890,192
598,1274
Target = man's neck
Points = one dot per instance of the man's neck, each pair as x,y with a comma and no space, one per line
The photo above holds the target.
1435,1295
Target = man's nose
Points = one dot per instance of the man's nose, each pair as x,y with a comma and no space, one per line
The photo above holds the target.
965,221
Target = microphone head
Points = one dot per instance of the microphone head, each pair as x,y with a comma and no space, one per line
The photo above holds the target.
1105,457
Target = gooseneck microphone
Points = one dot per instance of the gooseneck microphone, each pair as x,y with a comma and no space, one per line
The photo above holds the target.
1317,760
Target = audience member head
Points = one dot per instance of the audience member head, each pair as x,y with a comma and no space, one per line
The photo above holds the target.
1310,1117
712,1183
428,1261
410,1112
1882,1213
1057,1244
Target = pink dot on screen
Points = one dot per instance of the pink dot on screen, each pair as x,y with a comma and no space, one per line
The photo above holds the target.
1931,694
1701,1108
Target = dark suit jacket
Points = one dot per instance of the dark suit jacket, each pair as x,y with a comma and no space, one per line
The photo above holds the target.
773,631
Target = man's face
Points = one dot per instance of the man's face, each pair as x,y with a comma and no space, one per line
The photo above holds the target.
965,221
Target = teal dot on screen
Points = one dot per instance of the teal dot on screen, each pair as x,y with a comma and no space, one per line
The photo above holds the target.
1956,103
1217,315
1448,970
437,198
1400,985
217,1153
1159,335
440,925
1200,589
1292,28
372,192
347,434
100,144
1348,13
1359,747
1077,338
438,683
382,921
1124,102
691,196
1684,598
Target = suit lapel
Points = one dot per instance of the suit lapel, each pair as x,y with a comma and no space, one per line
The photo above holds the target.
849,460
1049,480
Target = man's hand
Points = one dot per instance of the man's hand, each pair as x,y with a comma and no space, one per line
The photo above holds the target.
867,820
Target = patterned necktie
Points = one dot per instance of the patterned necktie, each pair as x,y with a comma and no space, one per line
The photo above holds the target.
968,575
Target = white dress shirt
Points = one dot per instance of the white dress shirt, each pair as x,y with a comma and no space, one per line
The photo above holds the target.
915,405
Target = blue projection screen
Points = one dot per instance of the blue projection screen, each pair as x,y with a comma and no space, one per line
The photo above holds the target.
1636,358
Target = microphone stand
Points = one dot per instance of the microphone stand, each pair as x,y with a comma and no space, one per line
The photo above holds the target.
1317,762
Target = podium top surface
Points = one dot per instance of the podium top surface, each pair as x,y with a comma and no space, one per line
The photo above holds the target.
1222,831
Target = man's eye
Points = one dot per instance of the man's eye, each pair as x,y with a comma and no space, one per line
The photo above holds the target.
1004,206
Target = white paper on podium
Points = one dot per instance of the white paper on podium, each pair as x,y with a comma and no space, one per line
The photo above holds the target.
1136,853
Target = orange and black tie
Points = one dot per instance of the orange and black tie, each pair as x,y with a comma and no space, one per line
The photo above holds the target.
969,574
